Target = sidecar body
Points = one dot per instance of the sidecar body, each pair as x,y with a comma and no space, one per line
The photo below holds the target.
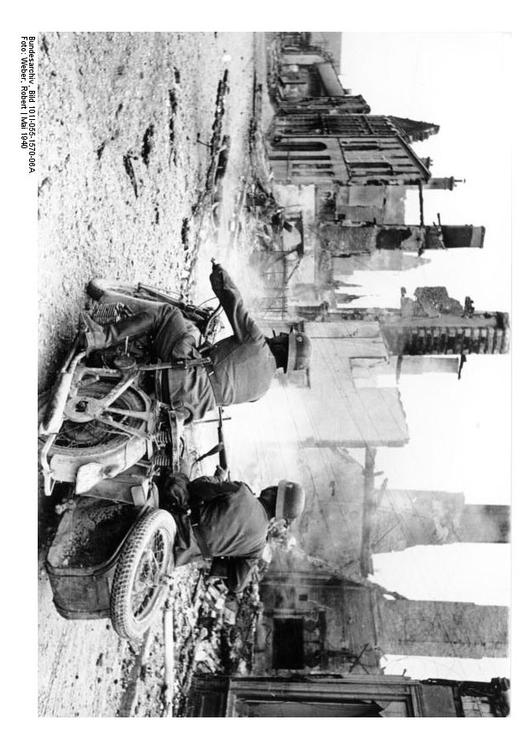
82,559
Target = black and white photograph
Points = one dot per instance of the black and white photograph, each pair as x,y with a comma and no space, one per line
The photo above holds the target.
274,309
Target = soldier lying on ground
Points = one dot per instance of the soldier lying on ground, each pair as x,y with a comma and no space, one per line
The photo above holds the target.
242,365
223,520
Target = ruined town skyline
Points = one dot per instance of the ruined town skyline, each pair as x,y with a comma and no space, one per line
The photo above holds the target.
440,90
434,80
450,449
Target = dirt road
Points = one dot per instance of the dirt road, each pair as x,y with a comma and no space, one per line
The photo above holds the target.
120,166
120,173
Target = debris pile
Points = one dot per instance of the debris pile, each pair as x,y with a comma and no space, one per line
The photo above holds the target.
273,68
270,233
206,210
145,678
221,628
228,624
213,633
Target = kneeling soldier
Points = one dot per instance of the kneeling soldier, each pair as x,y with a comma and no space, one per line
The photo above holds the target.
228,522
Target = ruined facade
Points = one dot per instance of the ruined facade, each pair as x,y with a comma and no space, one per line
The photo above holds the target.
346,695
336,147
304,64
316,619
357,235
406,518
316,105
486,333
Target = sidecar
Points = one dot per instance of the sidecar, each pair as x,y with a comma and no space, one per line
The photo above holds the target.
112,559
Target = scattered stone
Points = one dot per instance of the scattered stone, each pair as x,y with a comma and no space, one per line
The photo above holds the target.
147,144
44,46
128,165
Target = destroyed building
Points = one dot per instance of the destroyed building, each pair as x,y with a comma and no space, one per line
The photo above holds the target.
346,169
305,64
340,169
318,644
347,696
407,517
341,147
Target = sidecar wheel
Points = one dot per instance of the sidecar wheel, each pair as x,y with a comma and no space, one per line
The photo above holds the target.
138,584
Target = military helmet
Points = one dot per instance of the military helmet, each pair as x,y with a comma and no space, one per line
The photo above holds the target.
299,351
290,500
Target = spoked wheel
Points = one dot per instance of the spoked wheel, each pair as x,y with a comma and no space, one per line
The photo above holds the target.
79,436
94,441
138,585
83,439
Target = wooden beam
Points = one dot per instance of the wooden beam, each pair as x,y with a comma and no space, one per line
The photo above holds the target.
368,511
421,204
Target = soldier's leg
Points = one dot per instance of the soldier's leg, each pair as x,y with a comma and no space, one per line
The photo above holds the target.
165,324
173,336
190,554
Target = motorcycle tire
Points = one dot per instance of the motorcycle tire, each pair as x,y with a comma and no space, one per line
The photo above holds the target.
87,440
138,584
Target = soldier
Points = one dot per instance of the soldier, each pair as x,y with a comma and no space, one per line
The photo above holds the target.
228,523
241,367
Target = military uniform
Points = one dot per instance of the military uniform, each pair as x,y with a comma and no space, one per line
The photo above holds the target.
229,524
242,368
242,365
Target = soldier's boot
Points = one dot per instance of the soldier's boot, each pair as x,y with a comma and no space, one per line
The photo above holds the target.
102,337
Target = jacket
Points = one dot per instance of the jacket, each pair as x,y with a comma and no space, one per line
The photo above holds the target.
231,524
243,366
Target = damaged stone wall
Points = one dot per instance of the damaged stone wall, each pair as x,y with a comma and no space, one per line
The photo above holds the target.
432,628
335,630
405,518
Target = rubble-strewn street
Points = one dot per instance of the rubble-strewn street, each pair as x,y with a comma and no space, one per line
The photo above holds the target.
123,167
125,171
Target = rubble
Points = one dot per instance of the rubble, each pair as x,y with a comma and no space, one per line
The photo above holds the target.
206,210
213,633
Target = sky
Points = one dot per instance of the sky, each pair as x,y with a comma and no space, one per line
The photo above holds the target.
459,430
455,81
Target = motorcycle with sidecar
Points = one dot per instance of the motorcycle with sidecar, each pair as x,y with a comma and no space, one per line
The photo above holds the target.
107,440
